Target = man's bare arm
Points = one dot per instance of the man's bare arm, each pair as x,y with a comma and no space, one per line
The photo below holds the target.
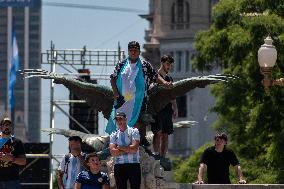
201,171
240,174
175,108
20,160
60,179
114,88
114,151
77,185
106,186
132,148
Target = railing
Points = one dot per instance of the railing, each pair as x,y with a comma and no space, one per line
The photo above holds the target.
222,186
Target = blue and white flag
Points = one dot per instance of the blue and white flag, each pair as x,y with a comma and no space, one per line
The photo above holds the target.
14,67
130,83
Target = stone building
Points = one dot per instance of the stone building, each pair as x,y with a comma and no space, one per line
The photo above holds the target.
172,28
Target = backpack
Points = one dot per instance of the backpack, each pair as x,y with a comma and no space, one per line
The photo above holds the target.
67,161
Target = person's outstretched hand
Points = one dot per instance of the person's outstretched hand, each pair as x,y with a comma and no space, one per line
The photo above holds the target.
168,84
199,182
242,181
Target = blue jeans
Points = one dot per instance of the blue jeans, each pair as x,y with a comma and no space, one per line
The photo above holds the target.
15,184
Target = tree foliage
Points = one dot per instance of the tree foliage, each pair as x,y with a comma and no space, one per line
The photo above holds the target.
253,119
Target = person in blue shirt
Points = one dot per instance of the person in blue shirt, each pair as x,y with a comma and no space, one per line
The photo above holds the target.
92,178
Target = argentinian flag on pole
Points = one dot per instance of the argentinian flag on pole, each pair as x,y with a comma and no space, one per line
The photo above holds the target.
14,67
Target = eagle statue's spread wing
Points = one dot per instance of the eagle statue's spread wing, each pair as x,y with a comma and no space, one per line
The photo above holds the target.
93,140
99,97
160,96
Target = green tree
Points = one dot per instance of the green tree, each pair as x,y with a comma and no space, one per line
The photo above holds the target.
253,119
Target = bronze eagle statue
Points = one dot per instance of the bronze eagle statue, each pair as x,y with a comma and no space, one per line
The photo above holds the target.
100,97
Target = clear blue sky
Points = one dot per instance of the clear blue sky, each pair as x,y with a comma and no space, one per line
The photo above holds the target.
97,29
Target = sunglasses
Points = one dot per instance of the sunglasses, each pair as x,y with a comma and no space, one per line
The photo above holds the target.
219,139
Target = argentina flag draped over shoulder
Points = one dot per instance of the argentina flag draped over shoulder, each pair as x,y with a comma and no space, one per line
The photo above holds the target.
132,87
14,67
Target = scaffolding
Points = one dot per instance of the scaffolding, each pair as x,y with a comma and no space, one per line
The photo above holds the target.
68,59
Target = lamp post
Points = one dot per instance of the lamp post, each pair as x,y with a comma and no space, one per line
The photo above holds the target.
267,56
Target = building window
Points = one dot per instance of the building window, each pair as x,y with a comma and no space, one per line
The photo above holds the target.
182,106
187,61
180,11
180,14
179,61
173,13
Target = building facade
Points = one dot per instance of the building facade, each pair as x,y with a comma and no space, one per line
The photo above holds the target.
25,18
172,28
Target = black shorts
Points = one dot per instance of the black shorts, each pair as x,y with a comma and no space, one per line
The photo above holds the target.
163,122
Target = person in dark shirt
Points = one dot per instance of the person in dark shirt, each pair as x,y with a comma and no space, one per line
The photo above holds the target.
92,178
12,156
217,159
163,125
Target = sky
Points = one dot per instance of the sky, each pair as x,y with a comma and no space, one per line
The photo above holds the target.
72,28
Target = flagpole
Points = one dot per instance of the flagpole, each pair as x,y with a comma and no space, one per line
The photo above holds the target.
9,56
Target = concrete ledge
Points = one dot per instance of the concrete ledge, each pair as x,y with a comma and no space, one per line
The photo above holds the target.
222,186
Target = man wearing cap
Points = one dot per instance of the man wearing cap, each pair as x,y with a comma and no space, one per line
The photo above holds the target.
72,164
124,147
217,159
130,81
12,156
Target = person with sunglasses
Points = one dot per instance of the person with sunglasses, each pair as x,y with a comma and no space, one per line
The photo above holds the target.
217,160
12,156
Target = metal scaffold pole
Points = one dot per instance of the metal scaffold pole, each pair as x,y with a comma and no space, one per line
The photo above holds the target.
52,111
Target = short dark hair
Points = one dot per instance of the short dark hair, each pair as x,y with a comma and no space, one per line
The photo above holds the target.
166,58
93,154
76,138
134,45
221,136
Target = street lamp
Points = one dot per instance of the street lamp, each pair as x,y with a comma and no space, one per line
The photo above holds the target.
267,56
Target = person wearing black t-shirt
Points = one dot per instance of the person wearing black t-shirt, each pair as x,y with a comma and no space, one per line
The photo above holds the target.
217,159
12,156
163,125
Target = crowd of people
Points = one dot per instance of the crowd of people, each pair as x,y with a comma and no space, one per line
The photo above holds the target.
130,82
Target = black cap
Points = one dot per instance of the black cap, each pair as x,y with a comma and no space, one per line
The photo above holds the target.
120,115
133,45
221,136
76,138
5,119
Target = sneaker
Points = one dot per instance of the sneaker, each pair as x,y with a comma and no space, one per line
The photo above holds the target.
144,142
166,163
157,156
